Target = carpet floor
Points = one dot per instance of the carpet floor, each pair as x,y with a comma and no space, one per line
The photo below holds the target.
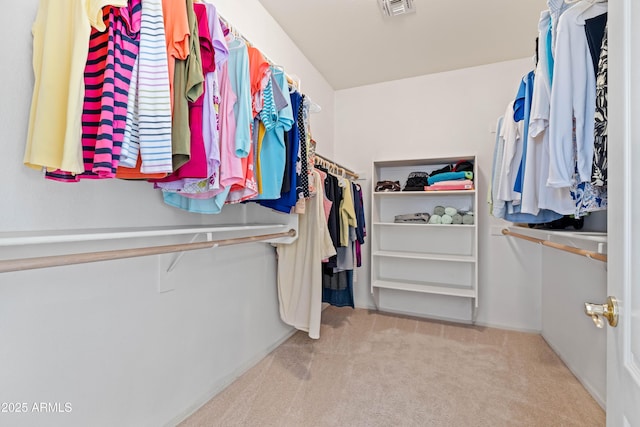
375,369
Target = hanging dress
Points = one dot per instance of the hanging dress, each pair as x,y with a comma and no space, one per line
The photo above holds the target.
300,269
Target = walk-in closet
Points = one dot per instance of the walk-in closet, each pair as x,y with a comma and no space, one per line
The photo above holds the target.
296,213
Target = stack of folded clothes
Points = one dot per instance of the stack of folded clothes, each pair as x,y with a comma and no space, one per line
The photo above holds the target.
457,176
451,215
416,181
382,186
450,181
413,218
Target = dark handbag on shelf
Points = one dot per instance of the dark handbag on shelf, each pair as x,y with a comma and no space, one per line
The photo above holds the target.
387,186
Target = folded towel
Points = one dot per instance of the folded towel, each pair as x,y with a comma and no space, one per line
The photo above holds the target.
420,217
446,176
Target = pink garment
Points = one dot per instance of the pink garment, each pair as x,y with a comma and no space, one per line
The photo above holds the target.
248,189
230,165
107,78
326,202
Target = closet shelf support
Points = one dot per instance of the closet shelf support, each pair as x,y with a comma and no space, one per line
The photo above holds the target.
22,264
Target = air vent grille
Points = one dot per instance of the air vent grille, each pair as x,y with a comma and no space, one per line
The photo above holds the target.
396,7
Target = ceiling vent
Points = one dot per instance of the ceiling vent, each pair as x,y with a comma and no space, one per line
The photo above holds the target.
396,7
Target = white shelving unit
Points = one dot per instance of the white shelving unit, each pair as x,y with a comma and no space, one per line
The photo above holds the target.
439,259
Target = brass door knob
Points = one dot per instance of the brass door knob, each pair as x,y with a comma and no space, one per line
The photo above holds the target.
599,312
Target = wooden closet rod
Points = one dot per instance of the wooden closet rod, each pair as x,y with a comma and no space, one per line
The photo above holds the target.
566,248
338,165
22,264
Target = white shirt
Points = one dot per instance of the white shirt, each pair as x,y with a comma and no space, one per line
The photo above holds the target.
573,95
536,194
511,133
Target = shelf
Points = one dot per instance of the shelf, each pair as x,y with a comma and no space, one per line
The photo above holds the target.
426,287
421,162
67,236
426,257
423,193
408,224
414,257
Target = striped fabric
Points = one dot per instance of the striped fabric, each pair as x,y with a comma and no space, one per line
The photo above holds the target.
148,129
269,113
107,76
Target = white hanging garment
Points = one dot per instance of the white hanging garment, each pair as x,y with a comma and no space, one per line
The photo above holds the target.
300,268
536,194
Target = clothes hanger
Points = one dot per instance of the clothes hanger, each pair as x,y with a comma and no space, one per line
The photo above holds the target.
585,5
313,107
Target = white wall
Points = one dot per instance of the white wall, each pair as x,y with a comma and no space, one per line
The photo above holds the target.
254,22
100,336
441,115
568,281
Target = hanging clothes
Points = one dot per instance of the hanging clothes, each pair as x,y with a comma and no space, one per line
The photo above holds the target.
259,75
599,171
287,200
361,229
538,194
303,176
61,34
277,118
300,270
229,162
176,25
572,96
507,202
522,112
146,147
110,60
200,62
594,29
188,83
209,187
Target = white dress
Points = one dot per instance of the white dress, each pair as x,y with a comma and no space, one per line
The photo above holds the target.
300,267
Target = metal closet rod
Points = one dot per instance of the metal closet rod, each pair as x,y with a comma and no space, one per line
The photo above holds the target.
338,165
566,248
22,264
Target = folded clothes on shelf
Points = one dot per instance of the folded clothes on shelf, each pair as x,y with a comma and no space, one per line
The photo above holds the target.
448,176
463,184
420,217
382,186
416,181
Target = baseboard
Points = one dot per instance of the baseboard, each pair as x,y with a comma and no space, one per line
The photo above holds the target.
424,317
508,328
447,319
228,380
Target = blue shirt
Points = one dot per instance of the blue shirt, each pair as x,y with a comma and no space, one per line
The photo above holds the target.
522,111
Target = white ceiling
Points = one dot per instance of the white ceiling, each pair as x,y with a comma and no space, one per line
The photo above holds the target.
352,44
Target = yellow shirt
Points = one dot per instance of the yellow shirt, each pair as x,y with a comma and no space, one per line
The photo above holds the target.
61,34
261,132
347,214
